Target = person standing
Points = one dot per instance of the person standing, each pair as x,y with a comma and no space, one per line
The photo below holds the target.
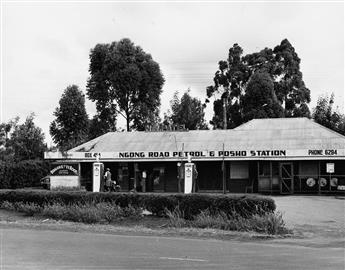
108,181
195,179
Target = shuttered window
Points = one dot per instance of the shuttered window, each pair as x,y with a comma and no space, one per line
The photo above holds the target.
309,169
239,170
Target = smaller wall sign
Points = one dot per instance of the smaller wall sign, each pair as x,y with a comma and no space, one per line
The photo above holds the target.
64,169
330,167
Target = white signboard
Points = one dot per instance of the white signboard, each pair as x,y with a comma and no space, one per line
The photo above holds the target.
227,154
188,177
330,167
64,181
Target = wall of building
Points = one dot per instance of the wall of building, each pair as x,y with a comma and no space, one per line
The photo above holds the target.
241,176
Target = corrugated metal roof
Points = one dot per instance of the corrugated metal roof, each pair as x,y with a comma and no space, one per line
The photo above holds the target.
267,134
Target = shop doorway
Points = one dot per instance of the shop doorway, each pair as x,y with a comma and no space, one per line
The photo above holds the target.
286,178
155,181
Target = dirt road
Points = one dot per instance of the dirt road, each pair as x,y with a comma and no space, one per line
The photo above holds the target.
319,243
33,249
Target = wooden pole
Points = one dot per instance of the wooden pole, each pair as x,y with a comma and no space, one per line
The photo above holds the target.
319,189
181,173
223,167
225,124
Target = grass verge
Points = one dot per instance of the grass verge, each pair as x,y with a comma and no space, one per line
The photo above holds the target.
268,223
86,213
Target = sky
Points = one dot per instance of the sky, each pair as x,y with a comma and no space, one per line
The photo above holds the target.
45,46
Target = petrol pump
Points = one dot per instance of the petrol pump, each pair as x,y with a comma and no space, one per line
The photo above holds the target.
97,176
189,176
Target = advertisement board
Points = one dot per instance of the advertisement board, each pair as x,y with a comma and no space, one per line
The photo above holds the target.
227,154
64,175
330,167
65,169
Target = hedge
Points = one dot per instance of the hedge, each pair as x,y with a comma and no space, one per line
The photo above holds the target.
189,204
26,173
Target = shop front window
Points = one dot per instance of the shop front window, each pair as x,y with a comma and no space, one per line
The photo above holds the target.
264,169
123,176
308,169
268,173
239,170
158,178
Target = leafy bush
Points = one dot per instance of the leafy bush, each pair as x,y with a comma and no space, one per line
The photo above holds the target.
190,205
208,220
7,205
28,208
243,205
91,213
157,204
55,210
87,213
26,173
75,212
67,189
269,223
176,218
201,210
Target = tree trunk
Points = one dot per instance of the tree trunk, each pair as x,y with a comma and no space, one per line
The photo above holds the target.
127,125
127,120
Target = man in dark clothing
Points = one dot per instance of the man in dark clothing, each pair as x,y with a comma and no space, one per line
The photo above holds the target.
107,178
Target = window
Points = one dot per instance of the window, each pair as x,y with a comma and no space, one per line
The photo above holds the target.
309,169
122,172
275,169
264,169
239,170
158,176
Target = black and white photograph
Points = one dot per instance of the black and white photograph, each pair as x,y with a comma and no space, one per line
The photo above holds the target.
172,135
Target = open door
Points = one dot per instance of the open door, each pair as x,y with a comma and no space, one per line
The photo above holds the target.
286,178
155,181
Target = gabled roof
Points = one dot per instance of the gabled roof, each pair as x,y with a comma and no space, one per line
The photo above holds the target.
265,134
292,133
279,139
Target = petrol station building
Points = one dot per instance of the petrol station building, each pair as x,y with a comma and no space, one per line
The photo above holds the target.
280,156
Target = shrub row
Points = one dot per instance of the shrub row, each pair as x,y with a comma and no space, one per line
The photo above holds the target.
26,173
189,204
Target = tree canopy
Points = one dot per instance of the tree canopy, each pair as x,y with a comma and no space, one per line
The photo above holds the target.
5,129
26,140
124,80
232,78
6,152
186,111
70,128
325,115
283,64
260,99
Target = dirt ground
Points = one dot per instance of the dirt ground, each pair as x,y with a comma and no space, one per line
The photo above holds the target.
312,210
319,219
